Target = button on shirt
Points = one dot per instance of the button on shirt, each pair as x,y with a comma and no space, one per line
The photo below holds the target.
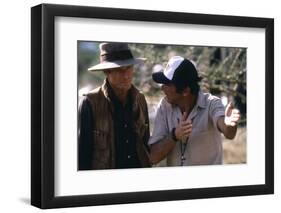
125,143
204,145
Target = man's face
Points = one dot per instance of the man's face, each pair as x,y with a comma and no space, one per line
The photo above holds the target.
170,91
121,78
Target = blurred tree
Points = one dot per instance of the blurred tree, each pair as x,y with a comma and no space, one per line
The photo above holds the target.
223,68
88,55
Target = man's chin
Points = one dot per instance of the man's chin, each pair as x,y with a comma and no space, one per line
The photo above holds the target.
168,100
125,87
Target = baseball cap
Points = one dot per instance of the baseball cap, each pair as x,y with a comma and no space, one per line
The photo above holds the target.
179,71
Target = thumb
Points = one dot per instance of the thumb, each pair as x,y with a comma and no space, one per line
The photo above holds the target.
228,109
184,116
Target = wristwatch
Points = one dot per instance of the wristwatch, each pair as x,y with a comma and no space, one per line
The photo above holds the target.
174,135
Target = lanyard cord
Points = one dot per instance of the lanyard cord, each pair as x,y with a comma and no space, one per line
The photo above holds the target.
183,148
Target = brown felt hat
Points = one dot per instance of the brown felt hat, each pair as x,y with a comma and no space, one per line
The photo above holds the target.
115,55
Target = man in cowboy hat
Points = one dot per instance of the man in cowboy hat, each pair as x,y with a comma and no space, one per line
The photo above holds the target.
189,123
113,118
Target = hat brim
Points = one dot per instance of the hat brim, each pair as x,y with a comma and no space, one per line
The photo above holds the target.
160,78
116,64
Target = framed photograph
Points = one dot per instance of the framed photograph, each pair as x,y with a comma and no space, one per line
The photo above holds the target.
77,53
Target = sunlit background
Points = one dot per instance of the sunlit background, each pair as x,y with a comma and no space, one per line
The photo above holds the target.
223,70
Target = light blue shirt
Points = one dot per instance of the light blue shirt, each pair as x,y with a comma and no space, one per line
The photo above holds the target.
204,145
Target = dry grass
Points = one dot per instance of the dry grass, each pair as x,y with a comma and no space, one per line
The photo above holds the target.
235,151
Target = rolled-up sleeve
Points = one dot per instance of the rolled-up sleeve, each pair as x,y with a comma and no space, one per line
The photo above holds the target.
160,129
85,123
216,110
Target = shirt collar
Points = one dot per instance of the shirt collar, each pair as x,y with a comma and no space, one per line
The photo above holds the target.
201,101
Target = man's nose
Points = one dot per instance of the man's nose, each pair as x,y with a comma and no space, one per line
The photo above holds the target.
127,74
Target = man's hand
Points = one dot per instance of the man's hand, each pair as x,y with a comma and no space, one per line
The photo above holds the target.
184,128
232,115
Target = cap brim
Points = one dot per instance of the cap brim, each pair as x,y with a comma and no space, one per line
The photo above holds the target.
160,78
116,64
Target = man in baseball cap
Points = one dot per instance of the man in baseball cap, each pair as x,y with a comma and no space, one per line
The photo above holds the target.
189,123
113,118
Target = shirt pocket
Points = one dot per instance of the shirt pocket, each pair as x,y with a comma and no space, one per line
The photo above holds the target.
101,149
202,128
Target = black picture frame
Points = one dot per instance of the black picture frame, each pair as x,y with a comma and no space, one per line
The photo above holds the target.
43,105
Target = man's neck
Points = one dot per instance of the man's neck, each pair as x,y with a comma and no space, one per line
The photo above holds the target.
187,104
121,95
